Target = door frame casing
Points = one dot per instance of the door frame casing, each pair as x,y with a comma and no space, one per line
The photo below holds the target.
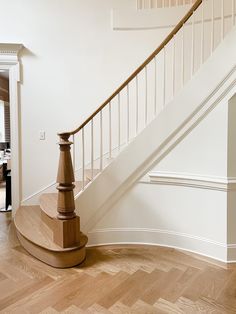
9,60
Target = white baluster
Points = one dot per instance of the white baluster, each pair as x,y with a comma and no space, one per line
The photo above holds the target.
101,141
146,99
73,155
173,67
183,53
164,76
83,160
202,33
222,20
212,25
233,12
128,113
92,150
155,87
163,3
110,140
193,46
137,105
119,122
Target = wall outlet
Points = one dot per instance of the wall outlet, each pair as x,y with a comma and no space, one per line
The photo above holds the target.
42,135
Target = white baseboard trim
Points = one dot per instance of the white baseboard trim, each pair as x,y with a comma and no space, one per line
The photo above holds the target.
203,246
192,180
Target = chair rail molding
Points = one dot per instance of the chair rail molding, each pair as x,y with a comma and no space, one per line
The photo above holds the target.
191,180
9,61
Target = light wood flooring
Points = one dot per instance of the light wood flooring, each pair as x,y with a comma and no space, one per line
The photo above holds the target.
114,279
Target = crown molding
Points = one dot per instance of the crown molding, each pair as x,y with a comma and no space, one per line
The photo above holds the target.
10,49
9,53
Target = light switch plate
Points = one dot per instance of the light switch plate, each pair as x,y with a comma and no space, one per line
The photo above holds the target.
42,135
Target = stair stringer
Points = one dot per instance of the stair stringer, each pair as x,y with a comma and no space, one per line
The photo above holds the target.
199,96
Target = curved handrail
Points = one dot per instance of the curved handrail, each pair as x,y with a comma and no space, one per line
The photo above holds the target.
139,69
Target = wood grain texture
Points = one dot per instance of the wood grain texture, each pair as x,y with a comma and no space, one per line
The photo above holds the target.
114,279
4,89
65,180
48,201
38,239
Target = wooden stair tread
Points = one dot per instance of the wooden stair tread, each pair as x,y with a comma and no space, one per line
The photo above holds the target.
29,223
48,204
37,238
48,201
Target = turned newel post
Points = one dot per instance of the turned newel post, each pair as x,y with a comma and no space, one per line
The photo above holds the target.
65,179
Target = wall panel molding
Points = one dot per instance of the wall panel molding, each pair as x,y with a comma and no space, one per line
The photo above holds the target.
191,180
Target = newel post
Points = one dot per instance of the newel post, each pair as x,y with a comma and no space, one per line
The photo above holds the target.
67,225
65,179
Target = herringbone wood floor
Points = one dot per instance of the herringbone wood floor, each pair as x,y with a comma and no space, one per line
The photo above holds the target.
128,279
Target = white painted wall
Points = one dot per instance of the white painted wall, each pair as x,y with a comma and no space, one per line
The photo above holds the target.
186,217
73,60
204,151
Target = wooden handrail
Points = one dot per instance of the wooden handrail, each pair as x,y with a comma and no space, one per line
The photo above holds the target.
139,69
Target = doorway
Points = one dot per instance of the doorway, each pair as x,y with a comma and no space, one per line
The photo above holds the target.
9,61
5,143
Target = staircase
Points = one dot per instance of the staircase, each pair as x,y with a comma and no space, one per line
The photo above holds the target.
51,231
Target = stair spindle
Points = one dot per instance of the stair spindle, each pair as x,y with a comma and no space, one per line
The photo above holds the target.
119,121
146,96
155,87
101,141
212,25
233,12
92,152
110,133
127,114
192,45
137,104
83,160
202,34
164,76
222,20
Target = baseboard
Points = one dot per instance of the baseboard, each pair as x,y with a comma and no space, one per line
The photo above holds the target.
206,247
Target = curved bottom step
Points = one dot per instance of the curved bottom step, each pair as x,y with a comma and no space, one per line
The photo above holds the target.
36,238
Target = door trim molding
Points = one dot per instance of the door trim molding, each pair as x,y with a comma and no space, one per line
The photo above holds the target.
9,60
